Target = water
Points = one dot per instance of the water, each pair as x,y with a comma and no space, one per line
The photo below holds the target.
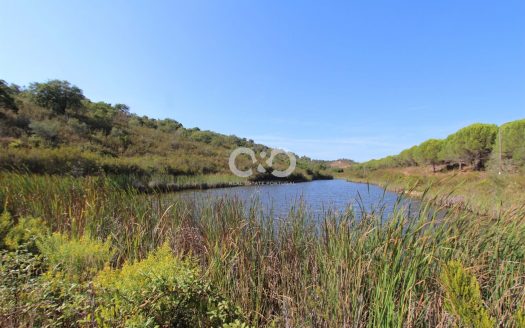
317,196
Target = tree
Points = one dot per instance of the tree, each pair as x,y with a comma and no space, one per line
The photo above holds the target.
407,156
122,108
6,97
169,125
57,95
513,141
428,152
472,144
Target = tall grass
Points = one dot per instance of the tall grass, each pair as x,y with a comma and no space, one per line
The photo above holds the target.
485,193
298,271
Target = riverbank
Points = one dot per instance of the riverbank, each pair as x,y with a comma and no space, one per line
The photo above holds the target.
169,183
483,193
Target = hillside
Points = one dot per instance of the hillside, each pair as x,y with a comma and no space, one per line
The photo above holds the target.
53,128
341,163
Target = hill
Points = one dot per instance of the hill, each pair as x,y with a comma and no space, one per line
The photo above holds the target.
341,163
53,128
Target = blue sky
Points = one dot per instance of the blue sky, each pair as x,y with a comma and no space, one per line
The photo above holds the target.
327,79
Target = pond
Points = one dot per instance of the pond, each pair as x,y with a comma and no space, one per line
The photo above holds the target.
317,196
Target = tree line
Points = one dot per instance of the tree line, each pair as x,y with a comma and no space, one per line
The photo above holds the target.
478,146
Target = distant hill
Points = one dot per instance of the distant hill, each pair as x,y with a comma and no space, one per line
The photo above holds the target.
341,163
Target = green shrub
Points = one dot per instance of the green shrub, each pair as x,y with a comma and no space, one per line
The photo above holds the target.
5,224
19,289
520,319
26,232
63,301
29,298
77,259
47,130
463,297
161,290
235,324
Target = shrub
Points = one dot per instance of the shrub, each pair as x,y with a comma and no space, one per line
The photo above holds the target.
463,297
161,290
77,259
64,302
30,299
48,130
5,224
520,318
19,289
26,232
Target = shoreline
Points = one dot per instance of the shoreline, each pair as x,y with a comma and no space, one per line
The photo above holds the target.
473,192
172,187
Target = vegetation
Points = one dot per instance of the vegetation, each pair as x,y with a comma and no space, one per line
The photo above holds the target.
428,152
479,168
513,142
82,244
481,192
463,297
476,146
52,128
169,290
117,257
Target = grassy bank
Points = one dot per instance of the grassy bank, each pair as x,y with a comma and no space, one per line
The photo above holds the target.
237,265
478,191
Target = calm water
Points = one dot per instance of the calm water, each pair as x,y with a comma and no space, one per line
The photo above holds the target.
317,196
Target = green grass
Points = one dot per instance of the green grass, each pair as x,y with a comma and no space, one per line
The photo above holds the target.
298,271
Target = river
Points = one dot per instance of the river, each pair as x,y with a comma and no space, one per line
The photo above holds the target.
317,197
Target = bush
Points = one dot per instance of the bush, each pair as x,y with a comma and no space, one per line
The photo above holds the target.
77,259
48,130
162,290
26,232
5,224
32,299
463,297
19,289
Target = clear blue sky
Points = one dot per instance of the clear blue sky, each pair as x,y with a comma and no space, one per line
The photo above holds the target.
328,79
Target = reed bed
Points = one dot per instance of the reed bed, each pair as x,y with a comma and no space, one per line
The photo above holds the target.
338,270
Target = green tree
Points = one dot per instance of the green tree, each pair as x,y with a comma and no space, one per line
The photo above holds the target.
6,97
472,144
429,152
407,156
513,141
57,95
122,108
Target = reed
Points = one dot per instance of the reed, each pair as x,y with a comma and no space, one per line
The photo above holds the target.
337,270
